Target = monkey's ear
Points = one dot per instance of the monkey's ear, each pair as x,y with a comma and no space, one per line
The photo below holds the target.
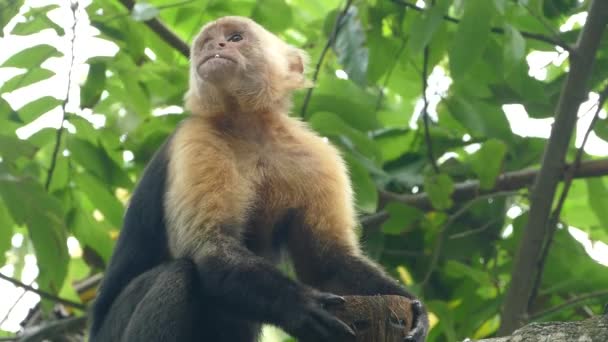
298,63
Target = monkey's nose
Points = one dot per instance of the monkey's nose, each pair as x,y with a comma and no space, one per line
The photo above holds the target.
222,44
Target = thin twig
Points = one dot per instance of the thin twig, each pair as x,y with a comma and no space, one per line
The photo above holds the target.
43,294
473,231
163,31
374,219
330,42
403,253
10,310
568,303
568,178
497,30
49,176
50,331
544,23
425,111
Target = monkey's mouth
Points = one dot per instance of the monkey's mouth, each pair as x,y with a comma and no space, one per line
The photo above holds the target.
215,56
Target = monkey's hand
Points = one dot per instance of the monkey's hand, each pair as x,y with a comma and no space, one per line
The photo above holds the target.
420,324
309,321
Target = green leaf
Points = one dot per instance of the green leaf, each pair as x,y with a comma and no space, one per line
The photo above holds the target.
472,36
458,270
6,231
401,218
84,129
29,77
555,8
601,129
61,174
350,48
394,119
347,100
426,25
9,9
30,205
331,125
446,319
366,194
481,119
137,97
500,6
598,199
395,143
439,188
487,162
143,11
34,109
577,212
12,148
36,20
515,48
91,233
90,92
266,12
32,57
99,195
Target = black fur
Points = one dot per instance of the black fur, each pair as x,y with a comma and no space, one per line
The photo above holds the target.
228,290
147,297
142,243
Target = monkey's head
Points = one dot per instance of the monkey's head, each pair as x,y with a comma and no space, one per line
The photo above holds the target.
236,61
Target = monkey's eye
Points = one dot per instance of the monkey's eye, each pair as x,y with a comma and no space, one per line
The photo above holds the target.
235,37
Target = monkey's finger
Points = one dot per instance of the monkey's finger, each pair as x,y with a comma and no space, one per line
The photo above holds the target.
318,329
416,334
327,299
333,323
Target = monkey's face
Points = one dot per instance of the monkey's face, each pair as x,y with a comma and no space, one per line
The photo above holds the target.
225,51
236,59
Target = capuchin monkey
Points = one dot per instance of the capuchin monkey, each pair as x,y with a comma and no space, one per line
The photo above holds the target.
236,183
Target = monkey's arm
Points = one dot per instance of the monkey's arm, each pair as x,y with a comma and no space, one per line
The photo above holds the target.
207,205
244,284
326,252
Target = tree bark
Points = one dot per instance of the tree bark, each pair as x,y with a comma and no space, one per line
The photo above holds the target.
508,181
594,329
526,264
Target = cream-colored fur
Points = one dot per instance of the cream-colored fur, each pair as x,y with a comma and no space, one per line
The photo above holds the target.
220,175
240,162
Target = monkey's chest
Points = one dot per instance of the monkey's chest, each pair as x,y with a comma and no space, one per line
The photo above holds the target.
280,184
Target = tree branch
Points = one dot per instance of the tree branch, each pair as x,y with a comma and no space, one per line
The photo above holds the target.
425,110
43,294
64,103
571,302
552,169
330,41
163,31
508,181
50,331
497,30
552,226
592,329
